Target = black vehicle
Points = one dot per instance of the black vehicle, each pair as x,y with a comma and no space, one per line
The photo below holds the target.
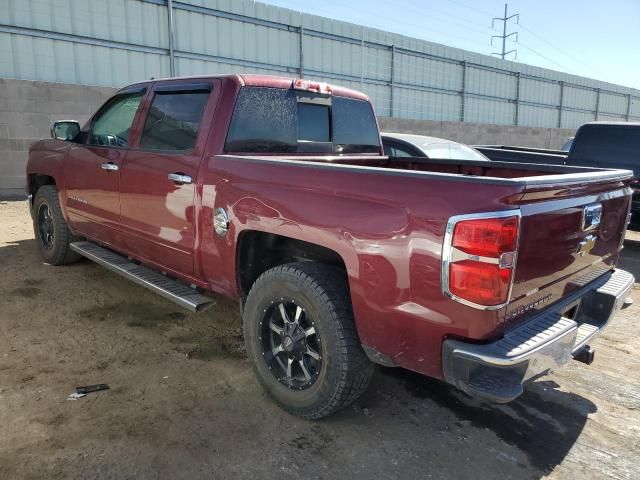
596,144
566,146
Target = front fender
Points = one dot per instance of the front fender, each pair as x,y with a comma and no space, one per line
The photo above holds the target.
46,159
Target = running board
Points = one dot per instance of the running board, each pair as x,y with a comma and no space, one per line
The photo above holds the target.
170,289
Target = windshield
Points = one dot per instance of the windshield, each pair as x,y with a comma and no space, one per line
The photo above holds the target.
272,120
451,151
566,146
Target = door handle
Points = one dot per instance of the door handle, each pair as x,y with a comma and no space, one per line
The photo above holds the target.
179,178
110,167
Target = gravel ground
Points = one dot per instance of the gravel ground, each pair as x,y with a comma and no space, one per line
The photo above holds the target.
183,402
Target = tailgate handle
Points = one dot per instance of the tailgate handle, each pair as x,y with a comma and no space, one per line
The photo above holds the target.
591,216
180,178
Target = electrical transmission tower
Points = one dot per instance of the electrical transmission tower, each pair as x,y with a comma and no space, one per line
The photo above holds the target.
504,35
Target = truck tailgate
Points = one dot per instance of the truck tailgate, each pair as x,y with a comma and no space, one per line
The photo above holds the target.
569,235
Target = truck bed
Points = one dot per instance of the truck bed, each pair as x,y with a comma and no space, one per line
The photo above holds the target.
402,204
502,153
524,174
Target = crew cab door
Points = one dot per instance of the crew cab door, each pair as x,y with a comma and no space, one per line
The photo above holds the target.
158,178
92,167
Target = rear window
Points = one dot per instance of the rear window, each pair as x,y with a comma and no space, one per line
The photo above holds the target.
608,147
314,123
273,120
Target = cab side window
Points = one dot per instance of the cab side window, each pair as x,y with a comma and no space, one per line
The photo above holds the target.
112,124
174,119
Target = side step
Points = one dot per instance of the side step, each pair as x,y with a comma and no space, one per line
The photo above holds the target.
170,289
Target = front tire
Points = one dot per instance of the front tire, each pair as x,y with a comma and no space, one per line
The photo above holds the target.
53,237
302,340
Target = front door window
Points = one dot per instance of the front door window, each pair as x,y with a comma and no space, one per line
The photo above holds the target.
112,124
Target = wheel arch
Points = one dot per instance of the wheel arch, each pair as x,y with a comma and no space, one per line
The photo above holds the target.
37,180
259,251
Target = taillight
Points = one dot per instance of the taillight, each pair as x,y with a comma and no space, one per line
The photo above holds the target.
479,257
489,237
478,282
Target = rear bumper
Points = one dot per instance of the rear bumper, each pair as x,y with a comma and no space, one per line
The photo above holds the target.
498,370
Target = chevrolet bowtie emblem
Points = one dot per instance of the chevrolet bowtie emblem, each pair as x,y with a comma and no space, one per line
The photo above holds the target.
586,245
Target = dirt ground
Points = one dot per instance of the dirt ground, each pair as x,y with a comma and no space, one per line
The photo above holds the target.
183,402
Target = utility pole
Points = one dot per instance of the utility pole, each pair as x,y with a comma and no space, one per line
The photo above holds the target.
504,35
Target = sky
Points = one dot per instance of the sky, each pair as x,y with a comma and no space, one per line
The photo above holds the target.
592,38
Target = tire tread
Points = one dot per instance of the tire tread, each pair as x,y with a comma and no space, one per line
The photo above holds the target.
62,253
330,286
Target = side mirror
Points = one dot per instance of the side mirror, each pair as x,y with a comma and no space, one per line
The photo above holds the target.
65,130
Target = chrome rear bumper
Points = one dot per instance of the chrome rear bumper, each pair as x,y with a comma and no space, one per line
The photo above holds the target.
497,371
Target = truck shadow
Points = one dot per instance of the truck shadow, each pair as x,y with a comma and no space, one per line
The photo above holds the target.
630,258
544,423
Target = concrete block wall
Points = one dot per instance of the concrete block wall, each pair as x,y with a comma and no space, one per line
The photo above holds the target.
480,133
27,110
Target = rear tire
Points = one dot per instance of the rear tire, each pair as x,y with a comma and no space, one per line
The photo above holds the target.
53,236
309,358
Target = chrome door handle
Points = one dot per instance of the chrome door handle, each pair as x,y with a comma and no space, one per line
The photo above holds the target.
110,167
179,178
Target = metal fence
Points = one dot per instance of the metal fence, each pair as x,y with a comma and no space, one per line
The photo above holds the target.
117,42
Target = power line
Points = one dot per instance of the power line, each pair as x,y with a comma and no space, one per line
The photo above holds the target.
359,20
504,35
503,53
448,16
543,56
558,49
471,8
419,27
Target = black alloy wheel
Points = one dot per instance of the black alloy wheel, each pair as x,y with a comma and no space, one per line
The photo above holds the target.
291,344
52,234
46,229
302,341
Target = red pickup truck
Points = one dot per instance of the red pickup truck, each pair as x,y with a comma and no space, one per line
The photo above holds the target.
275,191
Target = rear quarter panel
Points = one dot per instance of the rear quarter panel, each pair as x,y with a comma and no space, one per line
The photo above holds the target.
387,227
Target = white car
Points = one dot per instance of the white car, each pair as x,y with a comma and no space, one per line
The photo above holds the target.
408,145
